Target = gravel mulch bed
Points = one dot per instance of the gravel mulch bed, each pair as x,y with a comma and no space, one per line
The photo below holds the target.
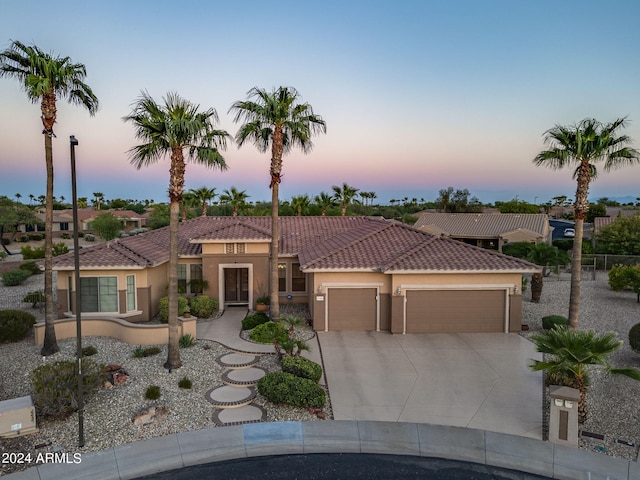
612,400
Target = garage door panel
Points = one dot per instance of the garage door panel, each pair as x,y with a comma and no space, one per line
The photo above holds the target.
352,308
436,311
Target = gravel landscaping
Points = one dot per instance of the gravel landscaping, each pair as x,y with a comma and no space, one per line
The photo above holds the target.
612,400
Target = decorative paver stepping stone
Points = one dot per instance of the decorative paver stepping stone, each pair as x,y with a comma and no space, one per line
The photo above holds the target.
240,415
237,360
243,377
230,397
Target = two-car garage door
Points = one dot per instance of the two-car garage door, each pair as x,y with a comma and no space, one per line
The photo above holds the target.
437,311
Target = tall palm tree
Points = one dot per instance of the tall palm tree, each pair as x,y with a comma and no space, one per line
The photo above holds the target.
203,195
98,199
170,129
571,354
236,198
344,195
18,197
324,201
188,201
45,78
300,204
581,146
275,119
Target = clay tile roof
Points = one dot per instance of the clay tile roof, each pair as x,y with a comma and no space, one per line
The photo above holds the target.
478,225
321,243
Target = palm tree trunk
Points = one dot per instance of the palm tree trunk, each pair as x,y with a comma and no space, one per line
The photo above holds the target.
50,345
581,205
274,309
536,287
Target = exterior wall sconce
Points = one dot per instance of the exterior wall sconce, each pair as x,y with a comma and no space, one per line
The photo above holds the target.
515,290
319,288
398,291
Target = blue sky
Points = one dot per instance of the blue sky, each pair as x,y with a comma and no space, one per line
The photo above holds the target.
417,95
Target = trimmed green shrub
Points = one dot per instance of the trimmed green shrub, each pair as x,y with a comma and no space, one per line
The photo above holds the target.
634,338
302,367
183,306
34,298
282,387
15,324
186,341
89,237
29,253
3,254
551,321
6,241
203,306
15,277
254,319
269,332
55,386
152,393
563,243
59,249
89,351
65,236
24,238
185,383
140,352
36,237
31,267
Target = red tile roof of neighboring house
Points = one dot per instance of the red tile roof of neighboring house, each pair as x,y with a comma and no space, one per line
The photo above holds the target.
479,225
321,244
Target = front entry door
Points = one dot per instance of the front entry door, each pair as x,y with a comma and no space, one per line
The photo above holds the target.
236,285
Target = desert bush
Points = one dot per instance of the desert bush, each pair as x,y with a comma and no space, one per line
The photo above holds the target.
141,352
551,321
185,383
152,393
634,338
65,236
34,298
60,249
89,237
55,386
187,340
36,237
6,241
24,238
30,253
282,387
14,277
31,267
183,306
269,332
3,254
89,351
565,244
15,324
254,319
203,306
302,367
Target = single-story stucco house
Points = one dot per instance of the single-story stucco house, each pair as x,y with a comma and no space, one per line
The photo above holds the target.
355,273
488,230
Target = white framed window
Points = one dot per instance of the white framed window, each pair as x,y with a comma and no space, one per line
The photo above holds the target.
99,294
131,292
186,273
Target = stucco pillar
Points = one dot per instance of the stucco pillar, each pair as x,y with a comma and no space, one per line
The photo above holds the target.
397,313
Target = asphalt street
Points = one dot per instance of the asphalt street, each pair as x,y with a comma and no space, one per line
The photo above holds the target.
342,466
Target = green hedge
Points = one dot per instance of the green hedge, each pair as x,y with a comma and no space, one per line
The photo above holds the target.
302,367
203,306
282,387
269,332
551,321
254,319
183,306
15,277
634,338
15,324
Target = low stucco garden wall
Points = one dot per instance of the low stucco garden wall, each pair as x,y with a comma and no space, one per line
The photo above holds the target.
131,333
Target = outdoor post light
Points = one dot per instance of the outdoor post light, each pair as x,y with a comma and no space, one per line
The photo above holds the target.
76,260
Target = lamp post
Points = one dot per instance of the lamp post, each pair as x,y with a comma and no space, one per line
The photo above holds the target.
76,260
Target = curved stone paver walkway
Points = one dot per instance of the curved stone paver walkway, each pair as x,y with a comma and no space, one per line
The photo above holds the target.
227,396
245,377
249,414
236,360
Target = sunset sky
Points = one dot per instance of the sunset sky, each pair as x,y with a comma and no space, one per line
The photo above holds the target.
417,95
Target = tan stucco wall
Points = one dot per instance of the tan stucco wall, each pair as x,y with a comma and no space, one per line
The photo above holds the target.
211,273
220,248
116,328
352,278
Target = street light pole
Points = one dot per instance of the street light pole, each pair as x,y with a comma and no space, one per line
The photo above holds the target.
76,260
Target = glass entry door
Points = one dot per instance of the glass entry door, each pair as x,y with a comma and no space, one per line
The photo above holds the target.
236,285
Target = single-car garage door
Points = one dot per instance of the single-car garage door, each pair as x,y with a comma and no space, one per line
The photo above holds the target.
437,311
352,308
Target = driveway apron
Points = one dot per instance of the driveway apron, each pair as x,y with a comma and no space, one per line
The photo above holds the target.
475,380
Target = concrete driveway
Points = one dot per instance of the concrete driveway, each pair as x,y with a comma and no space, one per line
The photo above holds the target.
475,380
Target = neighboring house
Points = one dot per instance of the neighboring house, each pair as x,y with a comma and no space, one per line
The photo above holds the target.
600,222
355,273
490,231
63,220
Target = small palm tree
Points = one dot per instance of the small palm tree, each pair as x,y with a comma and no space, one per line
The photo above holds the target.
236,198
276,119
581,145
291,321
300,204
46,78
344,196
571,354
188,201
170,129
203,195
324,201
